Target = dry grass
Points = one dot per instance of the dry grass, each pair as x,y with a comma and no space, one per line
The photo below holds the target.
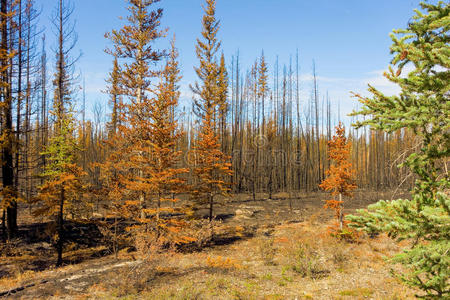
304,264
299,261
266,249
288,261
222,263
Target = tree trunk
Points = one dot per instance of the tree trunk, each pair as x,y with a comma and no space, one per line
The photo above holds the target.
60,244
158,212
142,205
4,225
7,130
341,213
211,203
115,246
18,143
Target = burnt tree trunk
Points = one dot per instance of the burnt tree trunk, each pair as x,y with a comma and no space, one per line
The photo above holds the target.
7,130
60,243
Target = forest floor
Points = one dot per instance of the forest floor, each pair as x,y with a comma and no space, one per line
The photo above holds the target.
271,249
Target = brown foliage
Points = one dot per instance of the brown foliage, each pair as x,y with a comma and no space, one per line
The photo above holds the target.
142,172
339,180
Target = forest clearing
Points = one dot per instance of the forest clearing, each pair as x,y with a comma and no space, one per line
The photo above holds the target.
255,255
201,174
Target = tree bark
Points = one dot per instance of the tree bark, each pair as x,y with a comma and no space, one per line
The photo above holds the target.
341,214
211,203
60,243
7,151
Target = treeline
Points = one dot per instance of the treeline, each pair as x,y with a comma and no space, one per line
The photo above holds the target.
247,131
278,141
24,106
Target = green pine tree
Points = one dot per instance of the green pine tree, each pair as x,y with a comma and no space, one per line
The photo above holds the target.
61,192
423,106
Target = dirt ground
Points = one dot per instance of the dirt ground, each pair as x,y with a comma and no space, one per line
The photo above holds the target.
277,249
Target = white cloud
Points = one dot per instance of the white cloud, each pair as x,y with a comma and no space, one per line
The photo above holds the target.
381,83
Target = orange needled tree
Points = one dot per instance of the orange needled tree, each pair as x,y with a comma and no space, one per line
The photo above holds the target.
145,157
211,164
339,178
164,174
133,44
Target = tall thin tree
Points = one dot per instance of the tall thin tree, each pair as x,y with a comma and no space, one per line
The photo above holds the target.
211,163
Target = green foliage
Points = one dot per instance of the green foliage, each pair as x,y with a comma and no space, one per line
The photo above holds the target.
423,106
60,151
61,173
308,262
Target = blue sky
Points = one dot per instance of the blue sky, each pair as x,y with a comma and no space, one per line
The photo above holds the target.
348,39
